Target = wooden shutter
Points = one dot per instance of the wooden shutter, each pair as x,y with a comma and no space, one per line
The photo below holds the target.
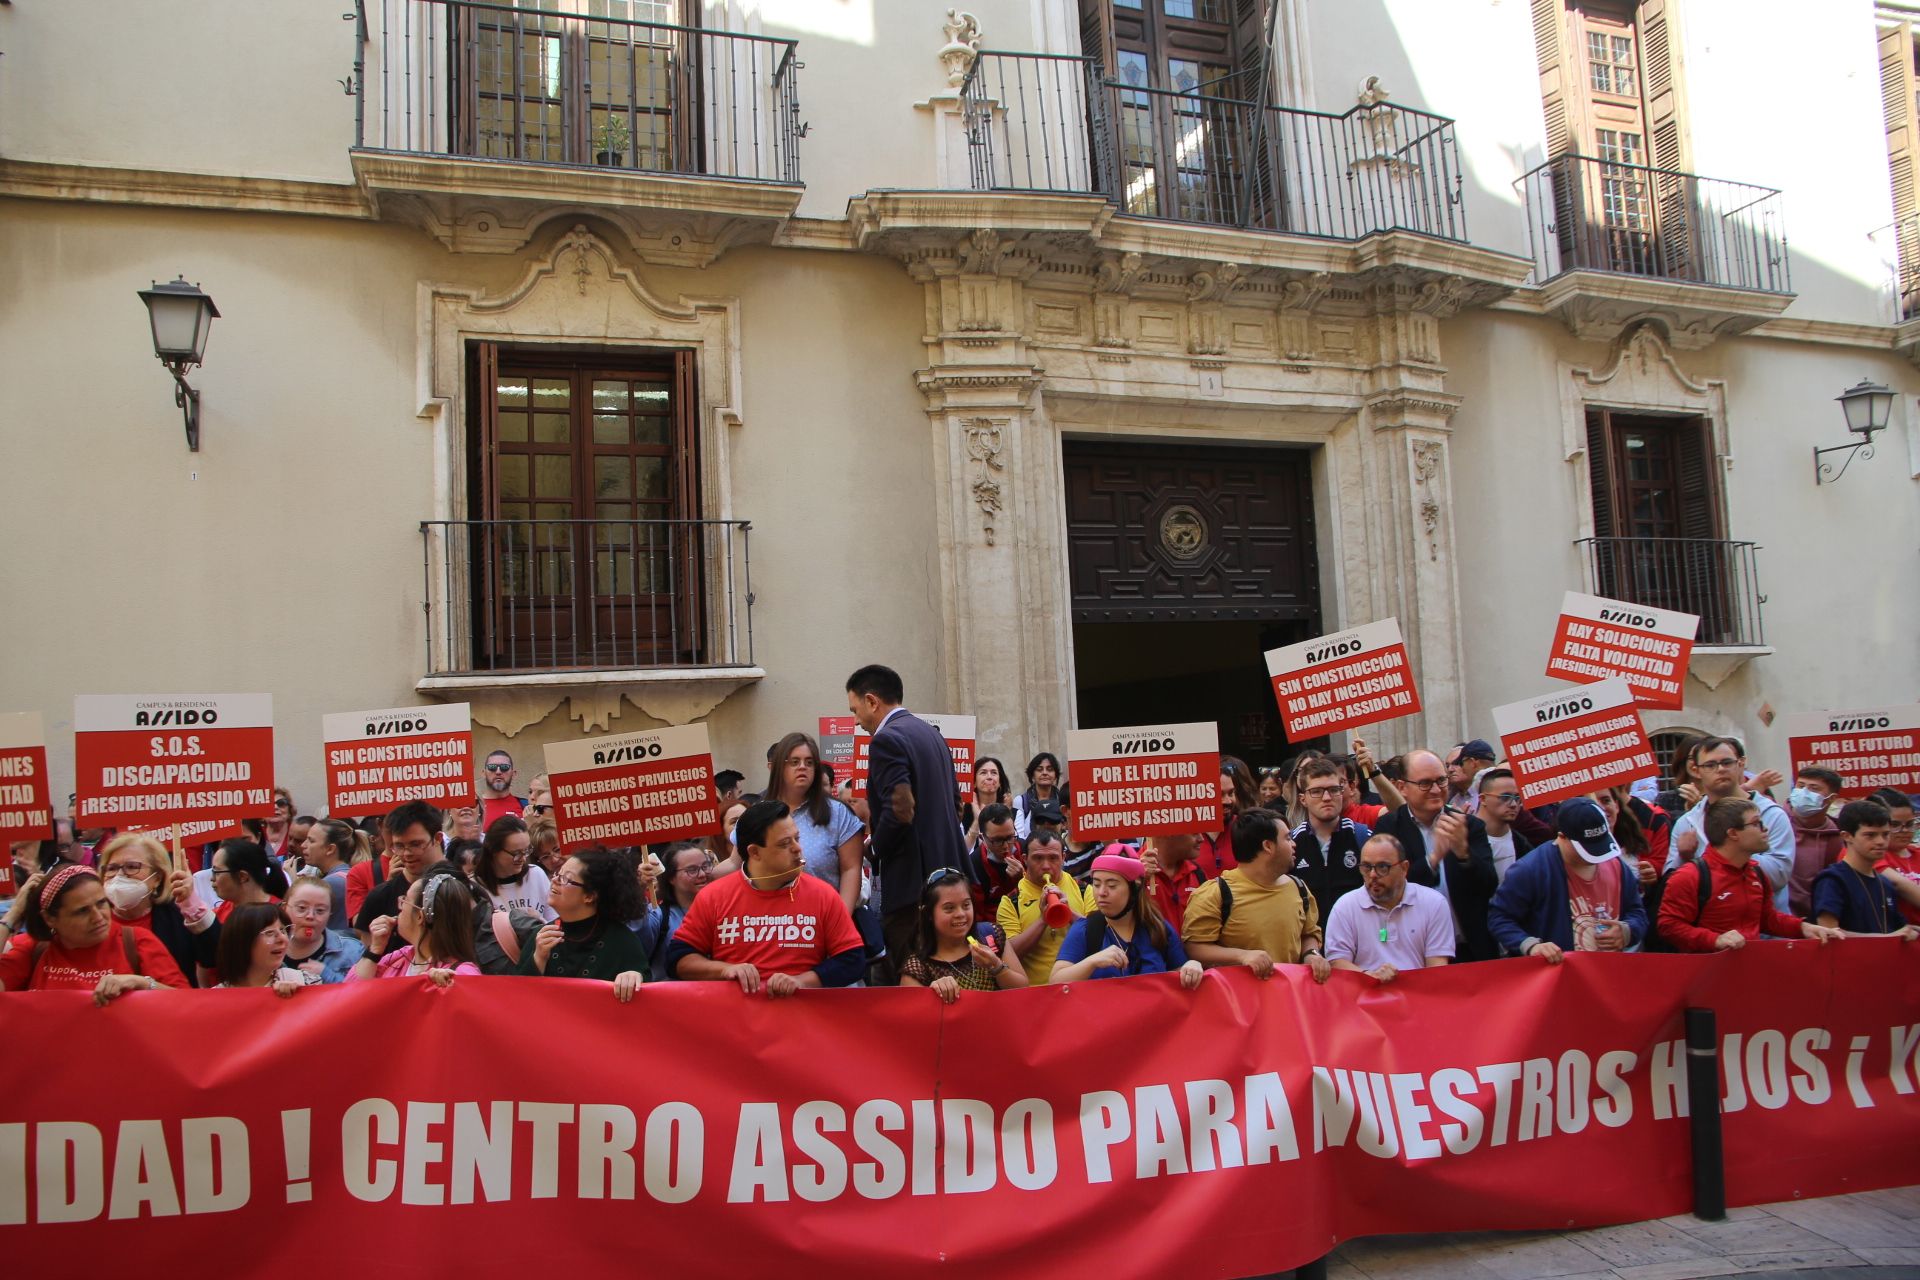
1897,105
698,545
1254,60
1600,476
1103,117
1660,89
1096,32
1698,496
487,418
1703,569
1555,55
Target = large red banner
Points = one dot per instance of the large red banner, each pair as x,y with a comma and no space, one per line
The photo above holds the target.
1567,744
377,760
149,760
1869,749
1597,639
1502,1096
1351,678
1144,780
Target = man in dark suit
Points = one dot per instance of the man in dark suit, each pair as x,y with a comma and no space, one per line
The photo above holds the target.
912,799
1448,850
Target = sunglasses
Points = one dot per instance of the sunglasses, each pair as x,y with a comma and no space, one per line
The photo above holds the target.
499,768
945,875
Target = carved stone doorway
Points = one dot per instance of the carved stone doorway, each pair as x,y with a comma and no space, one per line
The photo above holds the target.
1185,564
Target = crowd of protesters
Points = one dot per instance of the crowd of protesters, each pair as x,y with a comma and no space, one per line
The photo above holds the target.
1328,862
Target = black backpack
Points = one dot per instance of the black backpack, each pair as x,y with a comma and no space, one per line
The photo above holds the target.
1650,899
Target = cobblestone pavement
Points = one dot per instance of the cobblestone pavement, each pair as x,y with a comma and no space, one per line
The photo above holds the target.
1872,1235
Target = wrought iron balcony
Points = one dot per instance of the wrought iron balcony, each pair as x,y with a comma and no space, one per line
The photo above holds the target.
1711,577
1585,214
583,595
1901,242
534,86
1046,122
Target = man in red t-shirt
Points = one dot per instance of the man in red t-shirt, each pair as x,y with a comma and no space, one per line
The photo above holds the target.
1903,856
1739,901
772,926
496,790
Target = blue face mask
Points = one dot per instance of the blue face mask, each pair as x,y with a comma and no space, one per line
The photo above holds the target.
1805,801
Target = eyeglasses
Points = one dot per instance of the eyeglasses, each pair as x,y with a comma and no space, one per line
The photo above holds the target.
1000,842
1754,823
498,768
708,865
1377,868
411,846
945,875
275,934
1728,763
224,871
137,869
282,804
1501,797
1425,784
539,808
1326,792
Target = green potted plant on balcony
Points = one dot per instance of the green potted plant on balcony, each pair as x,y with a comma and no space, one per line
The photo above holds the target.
610,142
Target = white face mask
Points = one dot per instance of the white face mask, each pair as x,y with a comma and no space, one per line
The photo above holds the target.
126,894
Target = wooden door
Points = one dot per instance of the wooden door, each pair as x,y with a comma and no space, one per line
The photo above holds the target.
1187,533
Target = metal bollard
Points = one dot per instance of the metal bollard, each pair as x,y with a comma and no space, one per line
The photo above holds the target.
1703,1116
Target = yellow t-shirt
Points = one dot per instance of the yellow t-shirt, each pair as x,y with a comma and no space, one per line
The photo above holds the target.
1283,921
1018,911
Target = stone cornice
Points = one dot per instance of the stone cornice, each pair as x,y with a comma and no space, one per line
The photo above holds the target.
37,180
1598,306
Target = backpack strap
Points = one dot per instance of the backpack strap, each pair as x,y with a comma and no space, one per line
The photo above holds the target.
132,949
503,934
1096,930
1226,901
39,949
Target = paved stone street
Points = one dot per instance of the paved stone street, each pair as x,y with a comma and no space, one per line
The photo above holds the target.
1872,1234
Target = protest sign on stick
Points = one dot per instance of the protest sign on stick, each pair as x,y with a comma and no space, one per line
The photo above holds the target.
1870,749
1144,780
961,733
377,760
1569,743
1340,681
1597,638
633,788
149,760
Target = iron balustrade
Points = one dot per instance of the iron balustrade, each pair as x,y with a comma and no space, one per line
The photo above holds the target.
1057,123
1903,249
1711,577
1585,214
536,86
549,595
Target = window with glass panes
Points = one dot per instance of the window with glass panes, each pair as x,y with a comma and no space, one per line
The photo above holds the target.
586,472
1182,94
577,82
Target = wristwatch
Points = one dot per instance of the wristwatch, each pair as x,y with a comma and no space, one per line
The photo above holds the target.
1375,774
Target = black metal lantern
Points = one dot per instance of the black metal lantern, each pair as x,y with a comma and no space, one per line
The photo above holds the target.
1868,406
181,316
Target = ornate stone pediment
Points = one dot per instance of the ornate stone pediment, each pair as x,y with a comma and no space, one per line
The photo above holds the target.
492,207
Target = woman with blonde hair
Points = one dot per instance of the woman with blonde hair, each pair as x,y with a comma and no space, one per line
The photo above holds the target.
148,892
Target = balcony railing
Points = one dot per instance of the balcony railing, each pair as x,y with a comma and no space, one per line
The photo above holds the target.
1045,122
1710,577
534,86
1594,215
1901,243
582,595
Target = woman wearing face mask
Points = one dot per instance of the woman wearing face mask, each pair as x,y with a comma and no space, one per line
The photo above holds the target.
1817,842
1125,934
596,893
253,950
314,949
77,944
506,874
146,896
242,876
436,919
949,954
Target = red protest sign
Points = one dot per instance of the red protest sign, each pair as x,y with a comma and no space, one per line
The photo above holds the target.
379,759
1145,780
146,759
1569,743
836,746
1878,747
961,733
1344,680
26,806
633,788
1597,638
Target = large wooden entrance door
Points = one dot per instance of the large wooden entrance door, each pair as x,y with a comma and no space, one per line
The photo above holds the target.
1178,533
1185,564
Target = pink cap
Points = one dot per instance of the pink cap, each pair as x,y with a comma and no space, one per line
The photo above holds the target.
1121,860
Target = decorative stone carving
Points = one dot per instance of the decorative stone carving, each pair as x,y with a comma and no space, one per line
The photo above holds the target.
962,46
986,438
1426,466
